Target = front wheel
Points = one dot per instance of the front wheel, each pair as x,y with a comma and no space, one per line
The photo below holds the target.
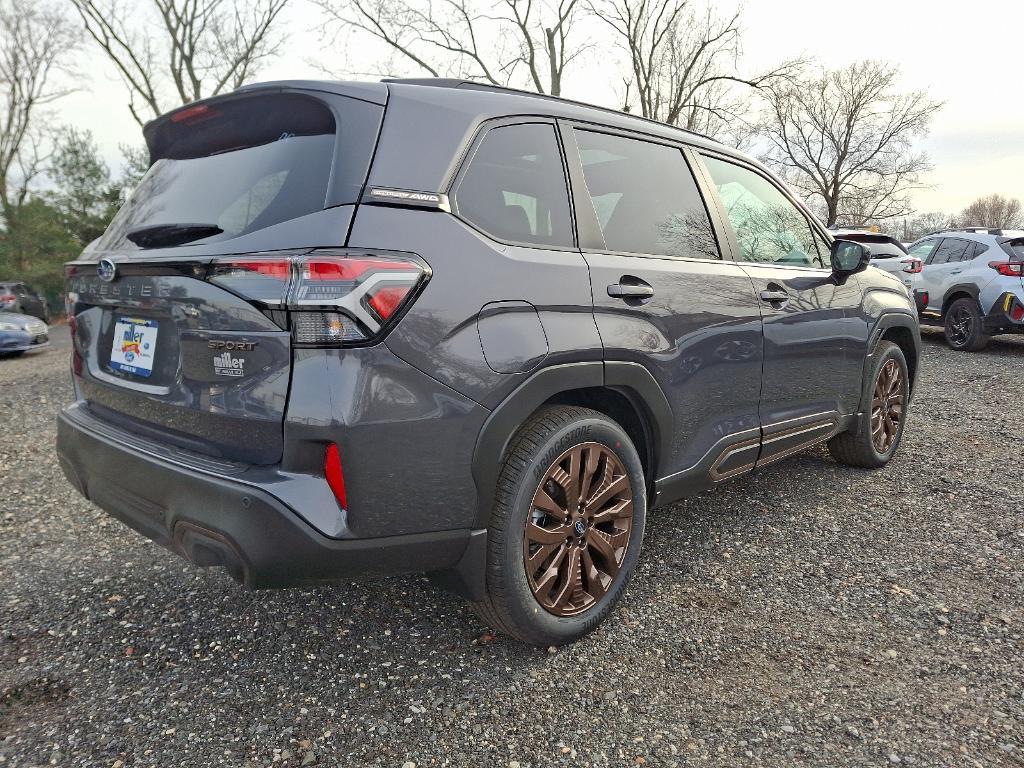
566,529
963,326
874,440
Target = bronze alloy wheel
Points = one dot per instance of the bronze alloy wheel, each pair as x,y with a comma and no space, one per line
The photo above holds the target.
578,529
887,406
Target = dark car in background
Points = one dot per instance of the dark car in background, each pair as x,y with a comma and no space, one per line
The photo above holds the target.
21,333
366,328
20,297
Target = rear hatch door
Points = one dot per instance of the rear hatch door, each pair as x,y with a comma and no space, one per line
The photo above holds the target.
169,343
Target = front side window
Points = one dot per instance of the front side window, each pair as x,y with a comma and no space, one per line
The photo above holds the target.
514,187
645,197
769,228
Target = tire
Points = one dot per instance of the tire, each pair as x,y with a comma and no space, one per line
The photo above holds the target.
859,447
549,440
11,355
964,326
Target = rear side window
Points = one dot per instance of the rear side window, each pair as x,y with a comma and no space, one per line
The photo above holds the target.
645,197
239,166
769,228
514,187
952,249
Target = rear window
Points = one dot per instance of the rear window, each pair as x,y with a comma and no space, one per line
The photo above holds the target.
237,166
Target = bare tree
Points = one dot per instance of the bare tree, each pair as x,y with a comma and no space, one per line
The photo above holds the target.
844,139
683,63
204,47
36,41
924,224
993,211
501,42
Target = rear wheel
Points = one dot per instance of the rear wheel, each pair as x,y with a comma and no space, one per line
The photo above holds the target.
874,441
566,529
963,326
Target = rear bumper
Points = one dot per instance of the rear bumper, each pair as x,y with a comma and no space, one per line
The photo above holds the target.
1000,318
216,520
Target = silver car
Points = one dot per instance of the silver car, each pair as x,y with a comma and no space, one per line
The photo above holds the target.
20,333
971,283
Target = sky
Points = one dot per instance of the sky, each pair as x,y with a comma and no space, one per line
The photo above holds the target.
966,60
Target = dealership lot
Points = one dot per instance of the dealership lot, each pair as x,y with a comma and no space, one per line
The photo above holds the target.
808,614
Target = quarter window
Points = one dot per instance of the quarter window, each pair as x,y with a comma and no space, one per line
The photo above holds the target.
645,197
514,188
769,228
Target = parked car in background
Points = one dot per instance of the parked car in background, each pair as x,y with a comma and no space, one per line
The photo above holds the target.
20,333
887,253
971,284
21,297
365,328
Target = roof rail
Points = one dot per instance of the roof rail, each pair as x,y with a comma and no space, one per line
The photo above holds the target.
973,230
454,82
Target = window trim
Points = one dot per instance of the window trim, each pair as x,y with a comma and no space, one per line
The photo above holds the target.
589,234
462,168
811,220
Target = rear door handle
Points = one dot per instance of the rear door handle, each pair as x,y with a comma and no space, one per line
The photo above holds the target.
775,297
630,287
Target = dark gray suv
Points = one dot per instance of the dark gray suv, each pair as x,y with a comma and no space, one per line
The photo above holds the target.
433,326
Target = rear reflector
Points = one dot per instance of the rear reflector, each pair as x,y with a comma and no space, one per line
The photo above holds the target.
333,298
1008,268
334,474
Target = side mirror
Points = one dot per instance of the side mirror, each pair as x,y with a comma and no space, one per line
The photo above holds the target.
849,257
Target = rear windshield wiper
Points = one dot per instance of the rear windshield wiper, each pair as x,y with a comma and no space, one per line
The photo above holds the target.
171,234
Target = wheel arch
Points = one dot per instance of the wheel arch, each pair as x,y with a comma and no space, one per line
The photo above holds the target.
902,329
625,392
960,291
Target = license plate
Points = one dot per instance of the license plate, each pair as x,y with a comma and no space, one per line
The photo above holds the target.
134,346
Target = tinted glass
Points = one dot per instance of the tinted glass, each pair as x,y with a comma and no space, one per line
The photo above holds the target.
768,227
645,197
951,249
924,250
1017,249
250,165
514,188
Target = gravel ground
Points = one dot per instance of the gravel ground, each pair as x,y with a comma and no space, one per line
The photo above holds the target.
807,615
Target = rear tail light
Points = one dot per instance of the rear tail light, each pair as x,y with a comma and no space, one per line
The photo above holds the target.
1008,268
7,298
332,298
913,265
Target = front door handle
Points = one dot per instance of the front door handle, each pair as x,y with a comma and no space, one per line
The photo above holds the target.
630,287
775,297
956,271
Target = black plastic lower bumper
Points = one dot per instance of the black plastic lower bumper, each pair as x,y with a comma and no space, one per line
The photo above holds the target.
1005,316
219,521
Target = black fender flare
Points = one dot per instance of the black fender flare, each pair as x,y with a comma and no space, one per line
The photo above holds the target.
892,318
969,288
631,379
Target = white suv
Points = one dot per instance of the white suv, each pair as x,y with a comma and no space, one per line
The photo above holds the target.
971,283
887,253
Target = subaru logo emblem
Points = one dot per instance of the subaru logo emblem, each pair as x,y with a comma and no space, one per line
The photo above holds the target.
106,270
580,527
